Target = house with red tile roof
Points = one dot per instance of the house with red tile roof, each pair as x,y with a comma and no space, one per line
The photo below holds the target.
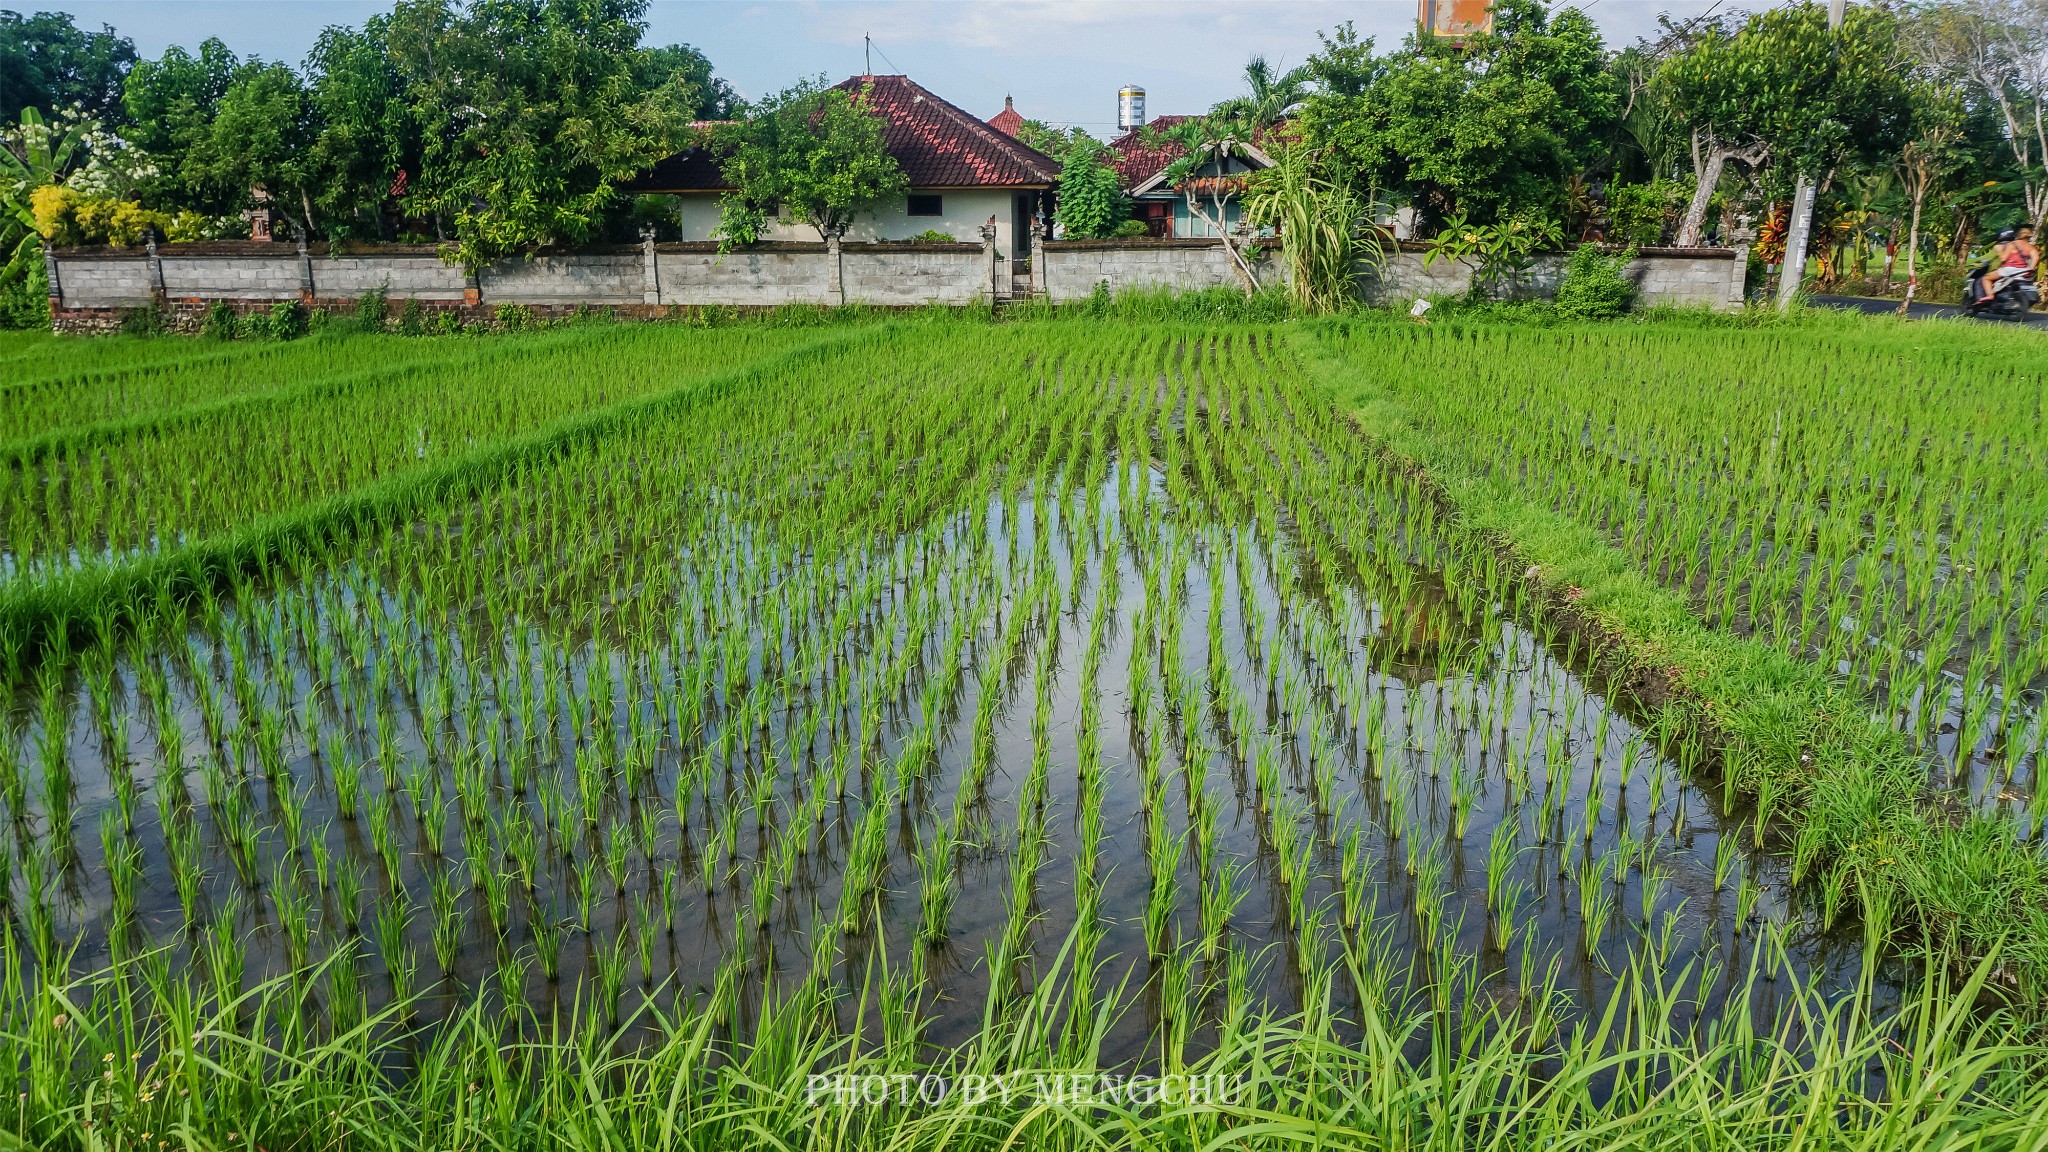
962,172
1141,157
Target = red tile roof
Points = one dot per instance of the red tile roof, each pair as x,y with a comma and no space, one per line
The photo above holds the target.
1007,121
941,146
1139,159
937,144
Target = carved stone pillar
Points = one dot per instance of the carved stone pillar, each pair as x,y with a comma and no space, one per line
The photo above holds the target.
650,272
835,269
156,270
1039,287
989,261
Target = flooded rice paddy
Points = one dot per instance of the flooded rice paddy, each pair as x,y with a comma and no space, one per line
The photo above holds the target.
1125,678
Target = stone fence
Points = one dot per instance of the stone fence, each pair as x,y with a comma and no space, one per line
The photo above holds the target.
1687,277
93,289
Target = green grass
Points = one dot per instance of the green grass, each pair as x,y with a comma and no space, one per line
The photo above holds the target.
127,1059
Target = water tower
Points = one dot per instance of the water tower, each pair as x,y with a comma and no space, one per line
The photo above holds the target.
1130,108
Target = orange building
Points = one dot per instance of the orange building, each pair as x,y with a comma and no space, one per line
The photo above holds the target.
1455,19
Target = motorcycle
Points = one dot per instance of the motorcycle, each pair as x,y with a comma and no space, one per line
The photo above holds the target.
2014,296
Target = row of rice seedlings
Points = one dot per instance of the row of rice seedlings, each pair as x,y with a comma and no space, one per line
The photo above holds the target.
1806,496
161,483
82,383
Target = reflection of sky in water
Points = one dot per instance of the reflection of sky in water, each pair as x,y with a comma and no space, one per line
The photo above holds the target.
1460,706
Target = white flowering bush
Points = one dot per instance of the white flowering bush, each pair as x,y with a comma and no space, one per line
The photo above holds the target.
72,149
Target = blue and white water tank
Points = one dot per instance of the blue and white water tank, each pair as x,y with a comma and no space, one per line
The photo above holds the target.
1130,108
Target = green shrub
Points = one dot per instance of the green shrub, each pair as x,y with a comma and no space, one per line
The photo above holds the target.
370,310
1594,287
286,320
513,317
1644,213
144,321
1091,202
220,321
932,236
412,319
25,292
1129,229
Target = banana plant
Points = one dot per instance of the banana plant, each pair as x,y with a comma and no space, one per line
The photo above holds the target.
32,155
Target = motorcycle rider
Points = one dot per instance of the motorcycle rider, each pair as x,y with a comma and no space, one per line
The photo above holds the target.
2013,255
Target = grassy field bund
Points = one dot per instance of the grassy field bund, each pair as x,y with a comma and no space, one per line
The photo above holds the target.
1062,732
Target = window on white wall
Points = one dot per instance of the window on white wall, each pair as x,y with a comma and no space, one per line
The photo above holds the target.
926,206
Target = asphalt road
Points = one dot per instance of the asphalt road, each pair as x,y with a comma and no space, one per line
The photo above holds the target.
1919,312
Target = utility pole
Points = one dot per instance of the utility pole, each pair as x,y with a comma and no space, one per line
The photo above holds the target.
1793,271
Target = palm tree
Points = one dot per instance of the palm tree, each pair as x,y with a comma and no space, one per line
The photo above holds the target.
1268,97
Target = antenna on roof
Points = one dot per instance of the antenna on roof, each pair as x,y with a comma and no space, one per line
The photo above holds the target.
867,54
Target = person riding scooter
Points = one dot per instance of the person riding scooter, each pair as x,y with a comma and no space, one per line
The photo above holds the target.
2013,255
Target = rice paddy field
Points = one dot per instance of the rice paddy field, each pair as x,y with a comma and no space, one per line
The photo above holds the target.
1059,733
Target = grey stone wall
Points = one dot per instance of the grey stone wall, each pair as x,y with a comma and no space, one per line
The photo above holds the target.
596,279
91,284
912,275
762,276
1685,277
104,282
684,274
1073,268
401,276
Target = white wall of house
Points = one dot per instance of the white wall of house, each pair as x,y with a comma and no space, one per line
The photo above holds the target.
962,213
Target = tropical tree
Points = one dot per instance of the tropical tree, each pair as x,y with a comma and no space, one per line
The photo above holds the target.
1494,127
814,151
688,72
1787,90
48,63
1998,49
1090,202
1718,91
1268,97
262,134
1216,154
528,114
1933,151
366,144
170,104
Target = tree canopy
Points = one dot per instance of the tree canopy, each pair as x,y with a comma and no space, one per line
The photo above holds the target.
812,151
501,126
47,63
1491,127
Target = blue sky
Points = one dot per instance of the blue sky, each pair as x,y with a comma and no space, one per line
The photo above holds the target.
1062,60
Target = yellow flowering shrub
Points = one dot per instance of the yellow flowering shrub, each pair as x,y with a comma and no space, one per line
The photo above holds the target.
66,217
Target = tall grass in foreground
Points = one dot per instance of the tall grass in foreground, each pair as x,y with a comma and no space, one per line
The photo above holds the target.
136,1057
